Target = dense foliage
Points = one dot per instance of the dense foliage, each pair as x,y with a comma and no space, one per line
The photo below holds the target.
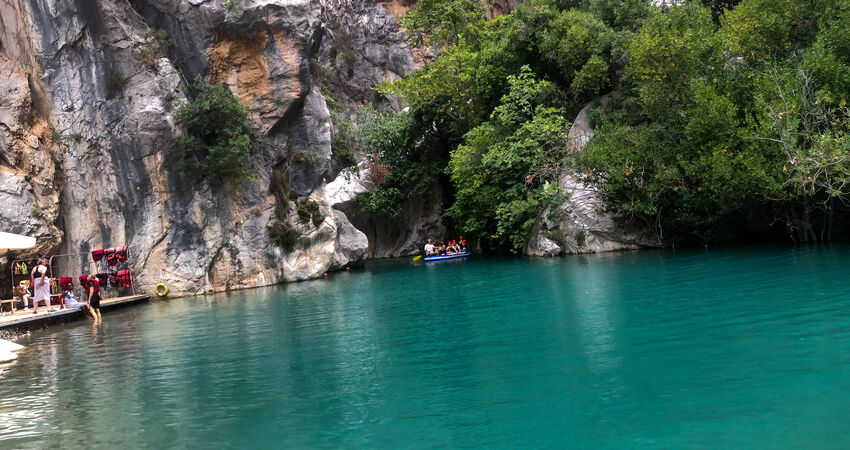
309,210
217,135
725,118
502,169
396,144
721,130
284,236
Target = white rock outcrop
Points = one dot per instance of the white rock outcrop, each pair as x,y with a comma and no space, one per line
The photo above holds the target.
580,224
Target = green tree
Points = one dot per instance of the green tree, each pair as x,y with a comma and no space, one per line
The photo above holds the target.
701,139
402,167
812,136
217,135
758,29
442,22
669,50
442,90
718,7
502,170
620,14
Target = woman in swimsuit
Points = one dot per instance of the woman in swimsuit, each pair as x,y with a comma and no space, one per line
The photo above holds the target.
93,293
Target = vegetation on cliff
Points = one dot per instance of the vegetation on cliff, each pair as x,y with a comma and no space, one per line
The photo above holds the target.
725,118
217,135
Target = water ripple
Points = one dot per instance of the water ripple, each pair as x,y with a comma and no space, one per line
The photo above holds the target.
729,348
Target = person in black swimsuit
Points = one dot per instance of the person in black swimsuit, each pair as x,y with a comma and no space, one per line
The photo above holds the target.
93,290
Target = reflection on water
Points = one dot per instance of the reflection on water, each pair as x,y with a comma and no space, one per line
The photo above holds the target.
595,297
737,348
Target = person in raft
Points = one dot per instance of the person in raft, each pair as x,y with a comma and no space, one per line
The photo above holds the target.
40,283
93,291
429,248
450,250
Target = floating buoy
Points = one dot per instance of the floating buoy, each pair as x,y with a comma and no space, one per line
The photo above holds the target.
325,274
347,268
161,290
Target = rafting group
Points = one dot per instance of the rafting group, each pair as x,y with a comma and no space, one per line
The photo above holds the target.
454,249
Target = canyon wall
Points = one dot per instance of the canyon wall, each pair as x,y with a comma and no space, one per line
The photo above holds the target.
89,154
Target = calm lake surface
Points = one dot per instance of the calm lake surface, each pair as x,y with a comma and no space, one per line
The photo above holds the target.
659,349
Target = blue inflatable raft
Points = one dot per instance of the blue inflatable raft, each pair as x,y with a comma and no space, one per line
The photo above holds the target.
436,258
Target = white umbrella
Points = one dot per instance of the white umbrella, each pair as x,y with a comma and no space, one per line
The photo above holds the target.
9,241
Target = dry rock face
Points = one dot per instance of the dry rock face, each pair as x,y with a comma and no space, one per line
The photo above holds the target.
88,141
580,224
28,190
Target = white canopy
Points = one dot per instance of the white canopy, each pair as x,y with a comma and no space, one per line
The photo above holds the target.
9,241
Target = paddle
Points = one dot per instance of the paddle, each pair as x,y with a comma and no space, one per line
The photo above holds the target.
417,258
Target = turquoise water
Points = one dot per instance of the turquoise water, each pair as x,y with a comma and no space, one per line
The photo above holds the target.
655,349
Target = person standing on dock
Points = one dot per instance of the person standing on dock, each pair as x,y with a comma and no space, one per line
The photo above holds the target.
40,283
93,291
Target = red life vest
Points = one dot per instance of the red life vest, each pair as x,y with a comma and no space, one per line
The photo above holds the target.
96,285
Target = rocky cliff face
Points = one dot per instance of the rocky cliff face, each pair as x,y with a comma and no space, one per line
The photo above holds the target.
88,141
89,145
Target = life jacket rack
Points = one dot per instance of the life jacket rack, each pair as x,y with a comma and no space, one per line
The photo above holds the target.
21,270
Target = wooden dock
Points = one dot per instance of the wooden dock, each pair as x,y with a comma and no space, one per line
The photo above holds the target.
25,320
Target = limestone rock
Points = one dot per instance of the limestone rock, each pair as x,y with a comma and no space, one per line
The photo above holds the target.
89,154
407,234
581,224
28,196
332,245
351,243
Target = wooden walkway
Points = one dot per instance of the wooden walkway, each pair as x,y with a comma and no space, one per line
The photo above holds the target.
26,320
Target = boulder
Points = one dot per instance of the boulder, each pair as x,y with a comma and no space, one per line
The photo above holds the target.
581,224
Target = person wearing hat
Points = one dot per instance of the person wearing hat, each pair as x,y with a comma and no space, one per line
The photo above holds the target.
450,250
40,283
